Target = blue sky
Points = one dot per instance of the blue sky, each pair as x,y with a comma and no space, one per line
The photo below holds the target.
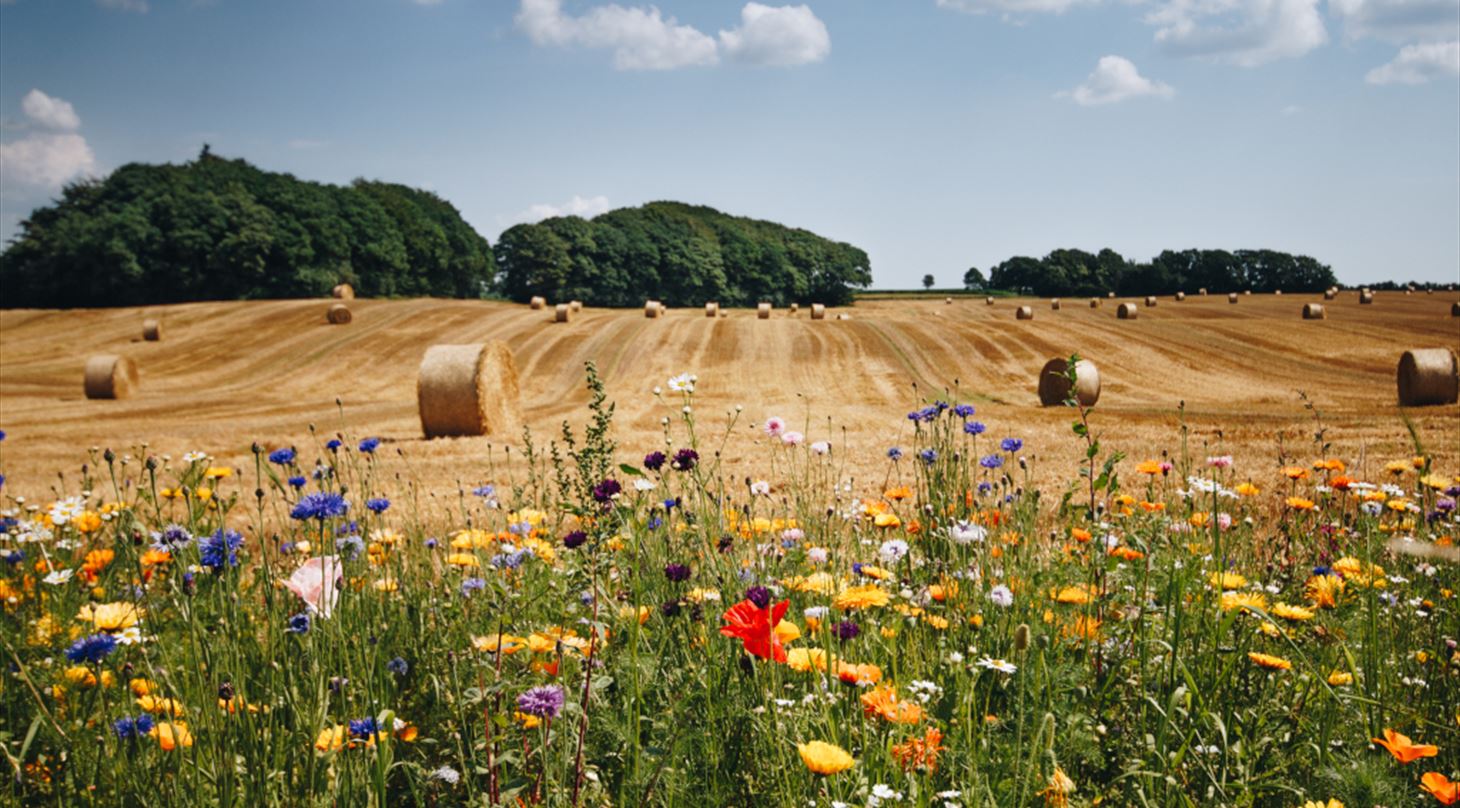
935,134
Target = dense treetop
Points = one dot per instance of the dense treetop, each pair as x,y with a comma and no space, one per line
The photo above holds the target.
1076,272
682,255
218,229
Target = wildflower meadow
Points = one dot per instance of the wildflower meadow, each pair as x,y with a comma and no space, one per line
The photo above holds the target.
581,627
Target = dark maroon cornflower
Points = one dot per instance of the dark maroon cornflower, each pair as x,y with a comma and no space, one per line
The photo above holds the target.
605,491
685,459
575,539
758,595
654,461
676,572
669,608
847,630
725,543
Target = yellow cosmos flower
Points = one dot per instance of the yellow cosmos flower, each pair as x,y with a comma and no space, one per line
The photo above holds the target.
1340,678
1300,504
786,632
1247,490
862,597
1269,661
160,705
825,759
1239,600
1078,594
463,560
821,583
1227,580
803,660
886,520
507,643
1322,804
110,616
1288,612
330,739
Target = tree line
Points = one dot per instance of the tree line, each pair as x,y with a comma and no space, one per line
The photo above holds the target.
681,255
1078,273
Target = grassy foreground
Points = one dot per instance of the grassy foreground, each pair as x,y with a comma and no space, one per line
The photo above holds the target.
573,629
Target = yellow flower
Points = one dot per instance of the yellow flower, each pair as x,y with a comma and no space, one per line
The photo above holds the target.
463,560
508,643
87,522
1325,590
1239,600
1057,793
628,613
527,720
1071,594
1300,504
110,616
160,705
1398,466
140,687
803,660
218,472
1227,580
172,734
787,631
330,739
823,758
1247,490
1340,678
862,597
821,583
1270,661
1322,804
1436,481
874,571
886,520
1287,612
81,676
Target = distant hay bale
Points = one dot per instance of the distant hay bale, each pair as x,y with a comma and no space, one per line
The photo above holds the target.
563,313
989,301
652,309
1024,313
1409,291
1150,301
1428,376
538,302
1054,385
1277,291
1202,291
339,314
467,390
152,329
110,376
795,307
1232,297
1366,298
575,305
1247,292
1314,311
1180,296
1329,294
844,316
712,310
763,311
1127,311
1110,295
948,301
818,311
343,291
1094,302
1055,304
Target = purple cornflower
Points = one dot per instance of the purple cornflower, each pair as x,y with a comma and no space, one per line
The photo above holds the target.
377,504
991,462
220,549
928,456
298,624
963,410
758,595
398,666
369,445
320,505
91,649
654,461
1011,445
282,457
973,427
605,491
484,491
685,459
676,572
544,701
894,454
575,539
364,728
847,630
471,585
171,538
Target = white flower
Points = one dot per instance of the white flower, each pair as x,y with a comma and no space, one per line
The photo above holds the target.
132,635
774,426
447,775
955,657
967,533
64,510
815,612
792,534
821,447
816,555
760,488
193,457
59,577
949,795
1372,508
885,792
892,551
642,484
1392,490
683,383
792,438
1002,596
1002,666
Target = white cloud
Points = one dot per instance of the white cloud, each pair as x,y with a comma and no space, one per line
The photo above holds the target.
52,113
1243,32
47,159
1011,7
777,37
1115,79
1398,20
641,39
577,206
1417,64
139,6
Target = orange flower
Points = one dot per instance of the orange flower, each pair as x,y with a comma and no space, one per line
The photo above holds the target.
1276,663
1403,749
1080,534
1295,473
1331,464
1299,504
866,674
1152,467
97,560
1127,553
1342,483
1441,788
899,493
884,703
920,753
1152,507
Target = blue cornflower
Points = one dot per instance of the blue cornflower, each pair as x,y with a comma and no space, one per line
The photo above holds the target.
655,523
991,461
171,538
928,456
544,701
298,624
519,528
350,547
974,427
333,444
940,405
985,487
297,482
471,585
282,457
1011,444
220,549
671,504
398,666
510,561
369,445
91,649
364,728
378,504
2,480
14,557
347,528
144,724
2,434
894,454
484,491
963,410
125,727
320,505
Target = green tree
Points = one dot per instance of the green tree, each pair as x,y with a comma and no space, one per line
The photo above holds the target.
928,281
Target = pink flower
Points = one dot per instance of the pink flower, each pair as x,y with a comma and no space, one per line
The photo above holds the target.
317,583
1224,521
774,426
821,447
792,438
1220,461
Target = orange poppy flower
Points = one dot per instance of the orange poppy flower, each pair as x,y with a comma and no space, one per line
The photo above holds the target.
1441,788
898,493
920,753
1403,749
755,628
884,703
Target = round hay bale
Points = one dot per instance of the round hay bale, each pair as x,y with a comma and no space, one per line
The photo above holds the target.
576,306
1409,291
948,301
1455,309
1054,304
110,376
795,307
467,390
1329,294
1232,297
343,291
339,314
1094,302
1024,313
1054,385
652,309
1247,292
1180,296
1202,291
563,313
844,316
818,311
989,301
1277,291
1314,311
1150,301
1127,311
712,310
152,329
1110,295
537,302
1428,376
763,311
1366,298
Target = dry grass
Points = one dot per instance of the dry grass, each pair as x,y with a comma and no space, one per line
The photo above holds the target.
234,373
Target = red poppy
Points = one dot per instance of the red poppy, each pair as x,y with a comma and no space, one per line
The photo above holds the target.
756,628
